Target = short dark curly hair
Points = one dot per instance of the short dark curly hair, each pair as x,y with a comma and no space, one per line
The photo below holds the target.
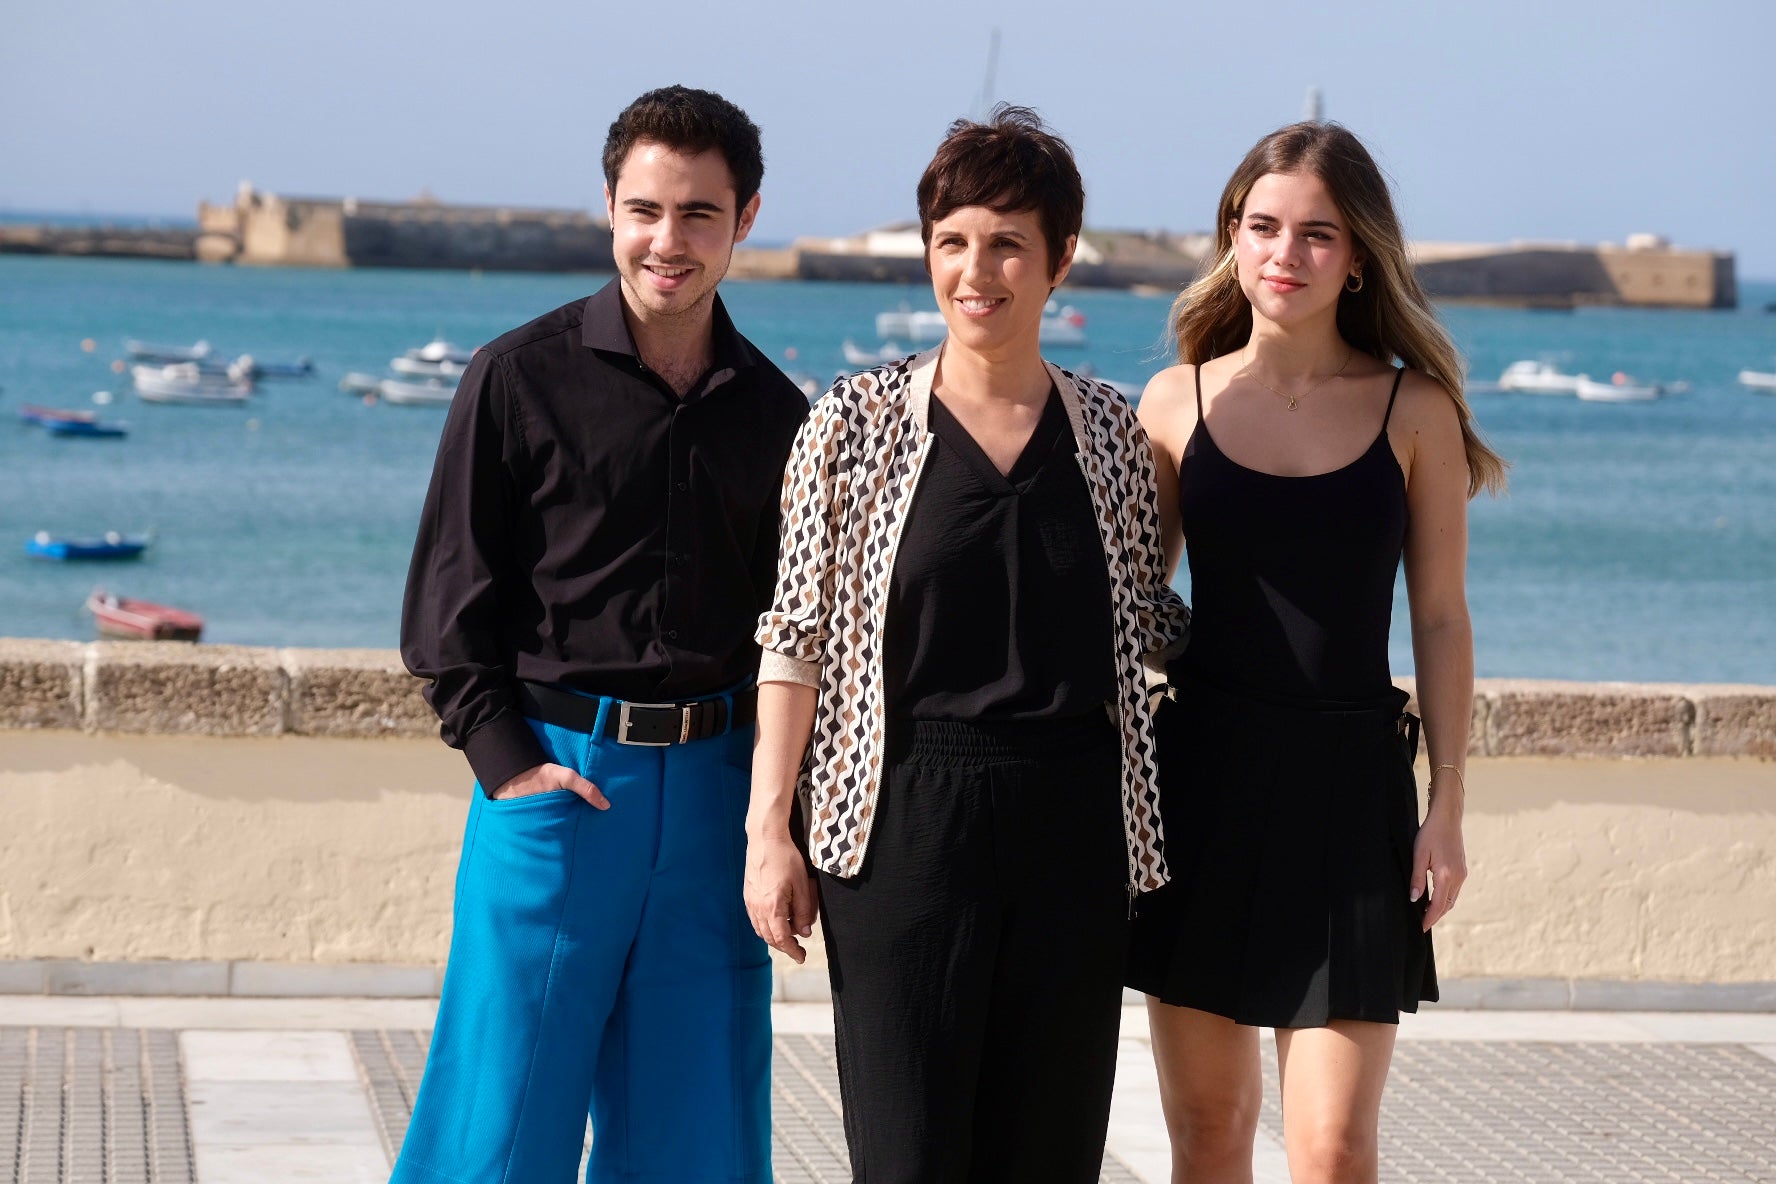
1008,164
689,121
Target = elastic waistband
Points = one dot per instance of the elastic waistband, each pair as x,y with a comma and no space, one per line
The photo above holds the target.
952,742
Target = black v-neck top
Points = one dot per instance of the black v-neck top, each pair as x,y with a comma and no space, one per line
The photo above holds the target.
1000,604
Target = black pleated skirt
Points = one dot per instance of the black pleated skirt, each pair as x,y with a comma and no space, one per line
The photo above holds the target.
1289,831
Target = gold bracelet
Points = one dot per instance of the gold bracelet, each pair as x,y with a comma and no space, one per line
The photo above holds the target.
1459,779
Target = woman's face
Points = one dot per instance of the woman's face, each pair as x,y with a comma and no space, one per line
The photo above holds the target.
1294,249
991,276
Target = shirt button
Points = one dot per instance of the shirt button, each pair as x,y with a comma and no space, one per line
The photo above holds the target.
682,487
671,635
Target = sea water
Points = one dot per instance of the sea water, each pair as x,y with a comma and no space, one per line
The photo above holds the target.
1637,541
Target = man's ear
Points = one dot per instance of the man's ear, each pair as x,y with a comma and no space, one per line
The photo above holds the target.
748,214
610,206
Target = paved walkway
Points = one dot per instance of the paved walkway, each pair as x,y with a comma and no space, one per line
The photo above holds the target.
252,1091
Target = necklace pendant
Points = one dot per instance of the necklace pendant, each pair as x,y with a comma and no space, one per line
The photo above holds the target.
1291,404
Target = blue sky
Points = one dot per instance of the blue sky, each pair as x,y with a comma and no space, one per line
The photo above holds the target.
1560,120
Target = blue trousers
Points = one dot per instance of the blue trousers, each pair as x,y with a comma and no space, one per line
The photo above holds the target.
602,963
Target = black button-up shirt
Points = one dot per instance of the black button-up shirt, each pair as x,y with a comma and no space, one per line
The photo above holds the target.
587,527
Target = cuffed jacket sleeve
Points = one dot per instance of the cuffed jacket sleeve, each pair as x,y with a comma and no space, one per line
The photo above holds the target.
452,617
794,631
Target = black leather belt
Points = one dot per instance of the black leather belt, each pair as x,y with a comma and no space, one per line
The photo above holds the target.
651,724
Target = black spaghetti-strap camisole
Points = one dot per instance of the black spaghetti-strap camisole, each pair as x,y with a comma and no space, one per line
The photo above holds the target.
1292,578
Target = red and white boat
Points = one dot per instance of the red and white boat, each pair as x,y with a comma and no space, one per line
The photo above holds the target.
122,616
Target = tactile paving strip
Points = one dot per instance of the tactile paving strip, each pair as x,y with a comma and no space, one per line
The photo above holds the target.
807,1131
1480,1113
92,1106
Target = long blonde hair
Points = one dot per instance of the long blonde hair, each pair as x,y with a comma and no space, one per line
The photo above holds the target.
1389,318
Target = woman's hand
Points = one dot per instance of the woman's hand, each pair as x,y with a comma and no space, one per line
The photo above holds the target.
780,895
1438,851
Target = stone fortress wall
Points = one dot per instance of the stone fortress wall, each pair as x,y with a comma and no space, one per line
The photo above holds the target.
227,820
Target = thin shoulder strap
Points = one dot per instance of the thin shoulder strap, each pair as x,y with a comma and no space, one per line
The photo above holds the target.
1199,392
1399,373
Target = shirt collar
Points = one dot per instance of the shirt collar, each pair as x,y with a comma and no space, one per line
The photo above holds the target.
604,328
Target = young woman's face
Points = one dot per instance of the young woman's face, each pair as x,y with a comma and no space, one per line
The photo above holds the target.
1295,251
990,273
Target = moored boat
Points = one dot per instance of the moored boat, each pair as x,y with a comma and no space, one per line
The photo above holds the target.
1757,380
142,351
125,616
110,545
34,413
88,428
856,355
1062,325
1621,389
184,382
435,359
433,392
1538,378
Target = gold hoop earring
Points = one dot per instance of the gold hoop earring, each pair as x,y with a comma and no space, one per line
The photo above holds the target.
1347,283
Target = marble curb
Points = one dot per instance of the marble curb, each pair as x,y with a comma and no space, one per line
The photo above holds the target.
791,984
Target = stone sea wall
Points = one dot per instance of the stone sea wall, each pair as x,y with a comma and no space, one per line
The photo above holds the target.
228,820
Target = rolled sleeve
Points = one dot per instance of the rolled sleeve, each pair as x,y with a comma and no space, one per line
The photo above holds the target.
794,630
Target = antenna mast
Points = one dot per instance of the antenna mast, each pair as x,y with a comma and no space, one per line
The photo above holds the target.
986,99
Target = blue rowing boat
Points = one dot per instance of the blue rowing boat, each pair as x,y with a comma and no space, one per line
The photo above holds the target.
110,545
85,427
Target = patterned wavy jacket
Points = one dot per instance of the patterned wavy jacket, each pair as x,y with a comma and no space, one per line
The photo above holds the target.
846,494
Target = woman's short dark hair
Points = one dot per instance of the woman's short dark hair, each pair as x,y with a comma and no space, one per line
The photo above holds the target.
1008,164
689,121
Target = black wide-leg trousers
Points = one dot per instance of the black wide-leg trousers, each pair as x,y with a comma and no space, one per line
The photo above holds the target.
977,961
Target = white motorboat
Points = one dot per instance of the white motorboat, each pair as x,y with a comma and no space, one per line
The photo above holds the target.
143,351
856,355
185,382
437,358
1062,325
1757,380
1538,378
1621,389
433,392
359,383
422,368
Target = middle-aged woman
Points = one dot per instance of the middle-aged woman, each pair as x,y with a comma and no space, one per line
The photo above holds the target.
970,575
1298,464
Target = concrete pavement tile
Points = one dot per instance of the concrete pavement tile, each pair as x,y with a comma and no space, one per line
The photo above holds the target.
292,1014
267,1056
290,1164
1704,1027
802,1019
57,1011
1765,1050
296,980
1567,1027
1270,1162
266,1113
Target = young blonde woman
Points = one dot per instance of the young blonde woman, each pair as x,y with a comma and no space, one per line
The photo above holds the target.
1298,464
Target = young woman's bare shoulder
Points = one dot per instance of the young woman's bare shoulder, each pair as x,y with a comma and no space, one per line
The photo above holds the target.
1168,404
1424,406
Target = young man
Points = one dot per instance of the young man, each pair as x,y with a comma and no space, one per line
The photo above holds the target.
598,540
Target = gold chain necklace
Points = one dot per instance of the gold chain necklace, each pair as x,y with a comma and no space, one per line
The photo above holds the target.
1246,369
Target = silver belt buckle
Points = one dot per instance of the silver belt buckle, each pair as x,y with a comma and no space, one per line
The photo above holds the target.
684,724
